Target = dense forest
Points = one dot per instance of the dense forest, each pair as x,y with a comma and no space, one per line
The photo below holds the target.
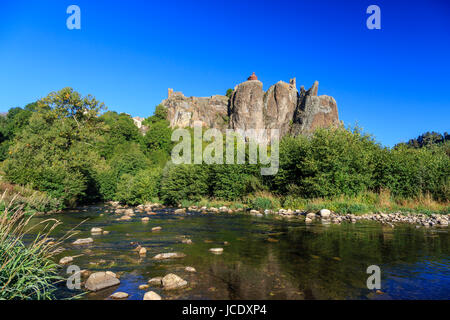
72,149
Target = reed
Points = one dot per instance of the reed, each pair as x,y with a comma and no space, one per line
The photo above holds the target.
27,270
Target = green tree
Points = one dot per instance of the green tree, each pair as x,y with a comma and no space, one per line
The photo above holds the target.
56,152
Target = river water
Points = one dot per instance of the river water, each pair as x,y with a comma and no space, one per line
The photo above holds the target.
263,258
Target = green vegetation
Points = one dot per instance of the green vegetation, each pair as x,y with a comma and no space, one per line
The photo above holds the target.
427,139
31,201
67,147
27,272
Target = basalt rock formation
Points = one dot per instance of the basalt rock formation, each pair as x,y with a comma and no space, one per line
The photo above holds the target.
281,107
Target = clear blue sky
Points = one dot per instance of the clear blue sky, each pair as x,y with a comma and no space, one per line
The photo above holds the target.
393,82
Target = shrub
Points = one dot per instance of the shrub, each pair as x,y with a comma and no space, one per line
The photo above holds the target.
234,181
128,158
106,184
139,189
184,182
27,272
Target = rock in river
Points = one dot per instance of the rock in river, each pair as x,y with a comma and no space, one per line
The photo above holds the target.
216,250
66,260
169,255
83,241
151,295
155,281
96,230
101,280
190,269
156,229
119,295
173,282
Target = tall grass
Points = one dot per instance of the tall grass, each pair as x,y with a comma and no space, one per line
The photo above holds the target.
27,271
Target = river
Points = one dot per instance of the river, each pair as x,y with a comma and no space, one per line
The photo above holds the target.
263,258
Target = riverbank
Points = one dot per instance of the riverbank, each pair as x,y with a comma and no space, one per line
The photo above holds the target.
323,215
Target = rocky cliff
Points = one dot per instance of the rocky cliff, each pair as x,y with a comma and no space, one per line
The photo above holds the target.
282,107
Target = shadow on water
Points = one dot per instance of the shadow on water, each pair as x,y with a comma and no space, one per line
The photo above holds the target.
263,258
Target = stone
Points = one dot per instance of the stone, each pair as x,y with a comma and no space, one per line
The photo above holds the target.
96,230
180,211
311,216
151,295
308,220
169,255
213,210
155,281
173,282
112,274
119,295
145,219
216,250
142,251
105,232
190,269
101,280
65,260
83,241
186,241
154,229
254,212
325,213
144,287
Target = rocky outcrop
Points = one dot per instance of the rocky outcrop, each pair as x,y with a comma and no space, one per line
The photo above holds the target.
314,111
282,107
183,112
